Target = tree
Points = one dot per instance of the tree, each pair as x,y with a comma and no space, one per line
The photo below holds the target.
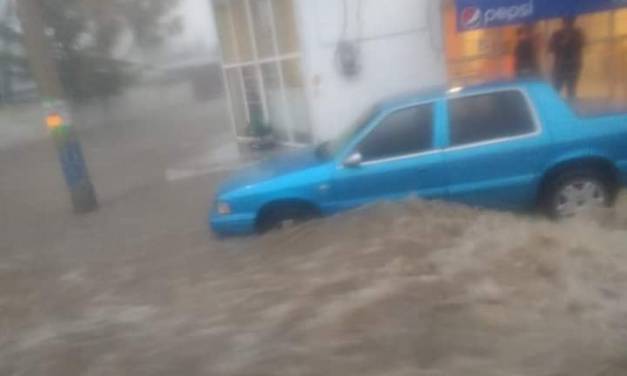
12,61
45,73
84,35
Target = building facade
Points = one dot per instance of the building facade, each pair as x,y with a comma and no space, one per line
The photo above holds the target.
309,68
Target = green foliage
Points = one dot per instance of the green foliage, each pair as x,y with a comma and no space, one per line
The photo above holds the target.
85,33
8,58
12,63
257,127
8,35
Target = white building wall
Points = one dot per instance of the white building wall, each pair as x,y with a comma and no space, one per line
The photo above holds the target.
401,51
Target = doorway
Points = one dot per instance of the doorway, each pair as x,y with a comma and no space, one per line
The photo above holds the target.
262,67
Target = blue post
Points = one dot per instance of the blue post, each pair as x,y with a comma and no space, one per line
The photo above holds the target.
71,158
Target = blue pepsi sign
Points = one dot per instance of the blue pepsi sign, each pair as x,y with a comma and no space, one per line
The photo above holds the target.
479,14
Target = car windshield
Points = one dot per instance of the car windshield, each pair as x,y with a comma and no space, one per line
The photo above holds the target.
329,149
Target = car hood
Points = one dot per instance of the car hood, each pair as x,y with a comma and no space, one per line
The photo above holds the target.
280,165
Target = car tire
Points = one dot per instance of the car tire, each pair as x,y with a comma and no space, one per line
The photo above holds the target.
574,191
281,216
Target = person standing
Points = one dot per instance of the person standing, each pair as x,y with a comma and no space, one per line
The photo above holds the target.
525,53
567,45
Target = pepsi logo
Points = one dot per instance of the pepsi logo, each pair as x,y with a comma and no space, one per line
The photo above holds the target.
471,17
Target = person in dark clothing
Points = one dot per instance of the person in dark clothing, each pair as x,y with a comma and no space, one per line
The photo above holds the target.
567,45
525,53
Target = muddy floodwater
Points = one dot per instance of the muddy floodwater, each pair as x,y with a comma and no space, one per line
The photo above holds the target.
427,289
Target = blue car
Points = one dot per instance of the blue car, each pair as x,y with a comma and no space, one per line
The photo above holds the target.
506,146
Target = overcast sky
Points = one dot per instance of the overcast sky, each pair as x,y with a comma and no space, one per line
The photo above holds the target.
198,20
197,39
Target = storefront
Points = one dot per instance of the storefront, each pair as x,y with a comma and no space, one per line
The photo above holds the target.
486,53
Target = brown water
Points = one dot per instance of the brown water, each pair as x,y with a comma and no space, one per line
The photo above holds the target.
433,289
396,289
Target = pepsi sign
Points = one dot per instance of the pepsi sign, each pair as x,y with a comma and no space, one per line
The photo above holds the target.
471,17
479,14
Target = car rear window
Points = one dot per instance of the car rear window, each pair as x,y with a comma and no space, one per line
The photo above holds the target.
486,117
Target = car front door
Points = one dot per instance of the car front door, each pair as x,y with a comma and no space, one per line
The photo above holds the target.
496,149
396,158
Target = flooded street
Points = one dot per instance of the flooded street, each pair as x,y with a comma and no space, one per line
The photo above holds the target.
396,289
141,287
120,122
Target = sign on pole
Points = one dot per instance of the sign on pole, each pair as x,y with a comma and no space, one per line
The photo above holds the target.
58,120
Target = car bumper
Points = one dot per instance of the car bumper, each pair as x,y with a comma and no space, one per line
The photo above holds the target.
231,225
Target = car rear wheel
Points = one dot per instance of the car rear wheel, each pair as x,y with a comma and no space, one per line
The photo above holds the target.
280,216
574,192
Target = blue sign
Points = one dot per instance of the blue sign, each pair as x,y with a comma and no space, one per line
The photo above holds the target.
479,14
73,164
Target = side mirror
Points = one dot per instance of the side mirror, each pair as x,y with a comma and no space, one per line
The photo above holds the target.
354,160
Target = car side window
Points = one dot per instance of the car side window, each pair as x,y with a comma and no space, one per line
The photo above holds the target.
486,117
404,132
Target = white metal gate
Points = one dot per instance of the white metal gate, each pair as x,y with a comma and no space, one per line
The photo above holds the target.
262,67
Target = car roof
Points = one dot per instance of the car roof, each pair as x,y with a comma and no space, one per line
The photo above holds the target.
440,92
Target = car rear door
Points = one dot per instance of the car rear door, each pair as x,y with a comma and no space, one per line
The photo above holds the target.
496,149
399,158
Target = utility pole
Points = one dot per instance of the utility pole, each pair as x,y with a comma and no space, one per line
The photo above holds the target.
58,119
